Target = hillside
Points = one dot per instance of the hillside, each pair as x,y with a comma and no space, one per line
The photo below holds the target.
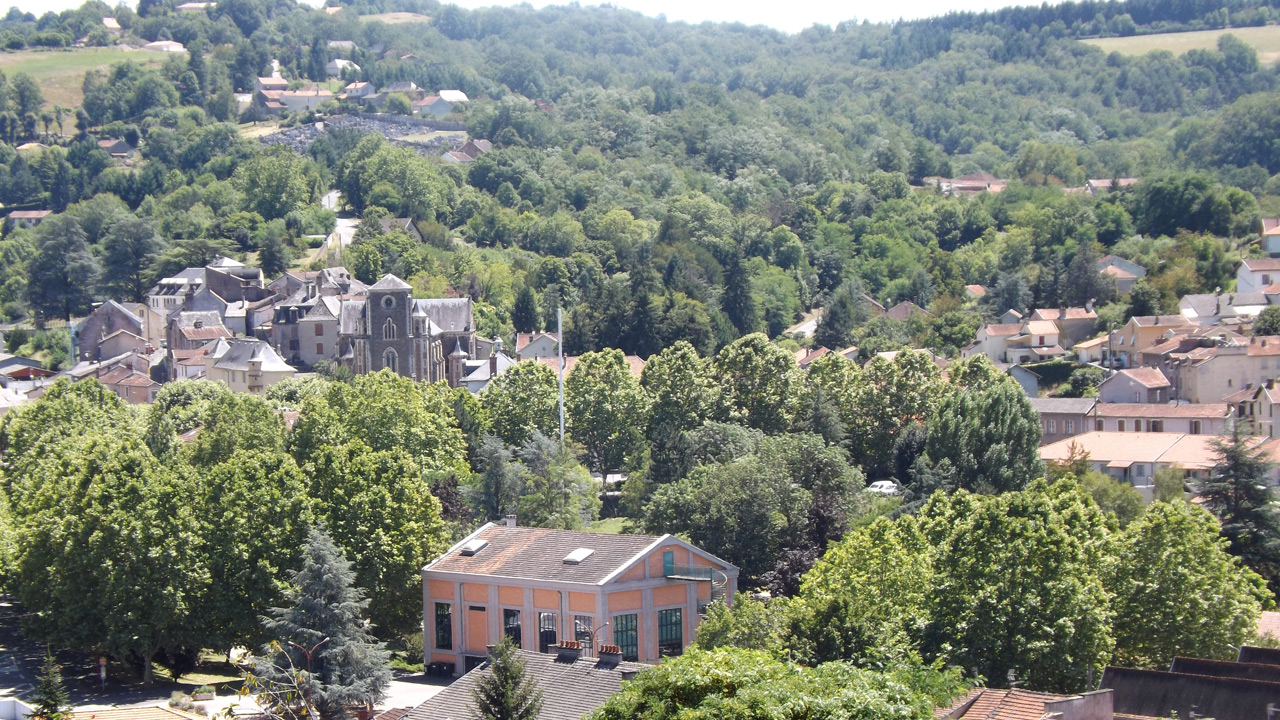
1265,40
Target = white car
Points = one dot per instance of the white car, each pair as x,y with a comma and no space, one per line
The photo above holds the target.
883,487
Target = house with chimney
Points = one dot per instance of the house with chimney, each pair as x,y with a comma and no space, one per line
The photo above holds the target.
1216,370
245,365
304,325
641,594
1141,332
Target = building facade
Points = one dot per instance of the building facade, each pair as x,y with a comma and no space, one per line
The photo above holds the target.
539,586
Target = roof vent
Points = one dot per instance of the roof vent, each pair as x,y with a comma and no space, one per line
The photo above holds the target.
473,547
577,556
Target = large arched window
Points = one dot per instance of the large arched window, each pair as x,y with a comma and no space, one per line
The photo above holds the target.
389,361
389,330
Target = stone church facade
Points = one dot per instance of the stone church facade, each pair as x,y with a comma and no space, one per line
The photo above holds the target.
389,329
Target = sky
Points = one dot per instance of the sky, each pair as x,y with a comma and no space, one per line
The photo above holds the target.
790,16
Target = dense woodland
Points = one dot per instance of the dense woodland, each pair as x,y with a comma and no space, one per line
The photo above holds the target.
689,194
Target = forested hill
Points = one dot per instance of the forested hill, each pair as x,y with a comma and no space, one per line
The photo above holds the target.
672,181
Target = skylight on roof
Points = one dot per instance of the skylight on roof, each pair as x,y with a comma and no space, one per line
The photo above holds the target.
473,547
577,556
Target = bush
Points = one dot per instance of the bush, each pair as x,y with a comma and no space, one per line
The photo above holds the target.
414,646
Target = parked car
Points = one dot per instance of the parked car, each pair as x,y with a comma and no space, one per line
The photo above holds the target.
883,487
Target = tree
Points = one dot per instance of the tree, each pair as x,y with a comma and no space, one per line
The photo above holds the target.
62,274
256,514
682,394
521,400
991,436
606,410
129,247
1268,322
398,104
524,314
733,684
1178,592
506,692
1144,299
749,625
846,311
739,301
1239,494
840,614
273,182
555,491
496,487
759,384
110,559
1084,282
1011,292
346,666
50,701
379,507
1018,585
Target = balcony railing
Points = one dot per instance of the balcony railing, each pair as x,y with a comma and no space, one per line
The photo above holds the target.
686,572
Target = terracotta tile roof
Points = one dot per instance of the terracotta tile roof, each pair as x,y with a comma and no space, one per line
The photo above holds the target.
1146,376
1264,264
989,704
538,554
1001,330
634,363
1117,273
1161,410
977,290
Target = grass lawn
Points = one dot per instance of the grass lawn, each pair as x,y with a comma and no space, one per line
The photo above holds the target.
1265,39
607,526
396,18
60,73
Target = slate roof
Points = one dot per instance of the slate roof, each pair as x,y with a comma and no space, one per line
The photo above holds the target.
1159,320
1223,668
241,351
570,690
448,314
1066,406
538,554
155,712
1160,694
1260,655
391,282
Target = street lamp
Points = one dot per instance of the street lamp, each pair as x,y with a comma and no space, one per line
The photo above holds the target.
594,646
311,710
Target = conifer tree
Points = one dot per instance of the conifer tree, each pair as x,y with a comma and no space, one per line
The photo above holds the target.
524,316
50,701
1238,493
506,692
347,667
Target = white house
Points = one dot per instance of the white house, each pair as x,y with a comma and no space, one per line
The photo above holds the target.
338,66
1256,274
246,365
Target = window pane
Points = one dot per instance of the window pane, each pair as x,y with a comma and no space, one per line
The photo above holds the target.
511,626
626,637
547,631
670,632
583,627
444,626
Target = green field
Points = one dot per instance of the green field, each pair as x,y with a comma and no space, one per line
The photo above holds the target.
1266,40
396,18
60,73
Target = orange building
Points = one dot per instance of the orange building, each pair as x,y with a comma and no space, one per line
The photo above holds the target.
642,593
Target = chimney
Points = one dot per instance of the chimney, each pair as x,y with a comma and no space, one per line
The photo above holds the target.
568,651
511,521
630,674
609,655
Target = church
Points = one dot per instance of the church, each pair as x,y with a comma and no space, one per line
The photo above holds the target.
427,340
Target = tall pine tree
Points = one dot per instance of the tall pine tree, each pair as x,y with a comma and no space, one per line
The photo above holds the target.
506,692
1238,493
524,316
348,667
